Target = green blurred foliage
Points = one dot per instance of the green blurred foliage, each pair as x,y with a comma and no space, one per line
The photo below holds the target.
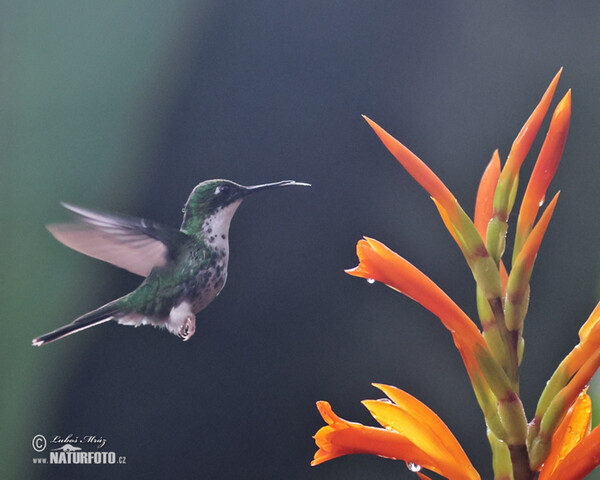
80,86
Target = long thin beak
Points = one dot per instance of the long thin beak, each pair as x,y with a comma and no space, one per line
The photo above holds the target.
283,183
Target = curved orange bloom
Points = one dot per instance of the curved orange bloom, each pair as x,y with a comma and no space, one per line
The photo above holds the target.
518,280
544,169
590,325
447,221
341,437
407,411
378,262
580,450
459,224
417,169
526,136
580,461
484,203
412,433
532,245
574,427
589,342
484,208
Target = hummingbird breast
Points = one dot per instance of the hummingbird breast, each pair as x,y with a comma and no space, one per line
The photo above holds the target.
206,278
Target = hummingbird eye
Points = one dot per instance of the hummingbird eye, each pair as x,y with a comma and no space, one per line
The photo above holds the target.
222,189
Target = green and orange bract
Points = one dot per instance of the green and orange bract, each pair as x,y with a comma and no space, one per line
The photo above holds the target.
557,443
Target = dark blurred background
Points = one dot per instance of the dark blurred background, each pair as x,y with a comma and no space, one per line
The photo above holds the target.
126,106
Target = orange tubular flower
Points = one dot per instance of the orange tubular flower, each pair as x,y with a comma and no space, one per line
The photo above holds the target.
557,442
484,204
589,342
544,170
527,255
574,427
518,280
581,460
378,262
509,176
412,433
459,224
417,169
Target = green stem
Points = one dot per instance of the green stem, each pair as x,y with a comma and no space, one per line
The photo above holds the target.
501,461
511,342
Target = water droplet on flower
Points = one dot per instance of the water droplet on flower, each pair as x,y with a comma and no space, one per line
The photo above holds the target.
371,280
385,400
413,467
542,200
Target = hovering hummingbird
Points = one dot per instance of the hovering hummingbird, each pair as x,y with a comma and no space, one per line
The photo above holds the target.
185,269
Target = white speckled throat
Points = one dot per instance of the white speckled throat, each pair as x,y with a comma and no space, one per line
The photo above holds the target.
216,227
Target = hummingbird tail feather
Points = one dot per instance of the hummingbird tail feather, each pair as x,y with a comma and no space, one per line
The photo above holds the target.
90,319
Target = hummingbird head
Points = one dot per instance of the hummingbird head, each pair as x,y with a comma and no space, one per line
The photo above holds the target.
220,198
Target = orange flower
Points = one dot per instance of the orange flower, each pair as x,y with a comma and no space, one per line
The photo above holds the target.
510,173
589,342
517,286
563,393
484,204
581,460
544,171
417,169
575,451
412,432
459,224
378,262
574,427
582,353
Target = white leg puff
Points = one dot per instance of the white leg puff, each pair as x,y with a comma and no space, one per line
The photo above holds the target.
188,328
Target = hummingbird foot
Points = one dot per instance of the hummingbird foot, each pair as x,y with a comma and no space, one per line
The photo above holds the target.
188,329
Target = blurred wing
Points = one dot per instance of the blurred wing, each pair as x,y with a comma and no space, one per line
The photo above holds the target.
131,243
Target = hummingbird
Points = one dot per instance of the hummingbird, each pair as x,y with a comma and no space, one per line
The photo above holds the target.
185,269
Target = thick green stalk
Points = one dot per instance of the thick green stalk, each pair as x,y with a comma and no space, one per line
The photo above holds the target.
489,406
520,463
501,461
493,332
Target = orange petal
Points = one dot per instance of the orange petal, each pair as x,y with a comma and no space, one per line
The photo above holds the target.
412,418
342,437
567,396
590,324
415,444
574,427
446,219
581,460
589,342
530,249
525,138
426,417
382,264
485,196
417,169
544,169
405,424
